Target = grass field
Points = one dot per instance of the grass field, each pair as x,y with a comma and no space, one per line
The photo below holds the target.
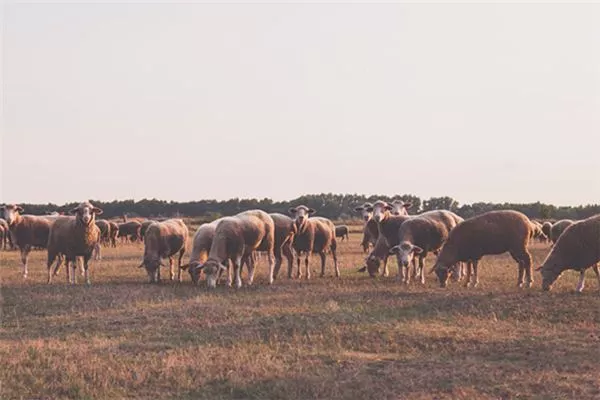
349,338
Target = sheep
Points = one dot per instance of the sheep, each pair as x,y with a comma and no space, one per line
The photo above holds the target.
285,230
388,226
114,233
27,231
558,228
547,229
130,230
164,240
7,243
201,244
235,239
72,237
342,231
370,230
144,228
313,235
493,232
577,248
420,235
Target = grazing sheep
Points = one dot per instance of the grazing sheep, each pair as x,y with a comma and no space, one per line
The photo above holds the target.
73,237
547,229
370,230
313,235
164,240
342,231
235,239
144,228
285,229
558,228
114,233
494,232
201,244
27,231
130,230
577,248
420,235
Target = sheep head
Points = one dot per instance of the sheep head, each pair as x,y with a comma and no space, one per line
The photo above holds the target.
211,270
380,210
405,252
399,207
152,269
11,212
364,211
443,273
86,212
300,215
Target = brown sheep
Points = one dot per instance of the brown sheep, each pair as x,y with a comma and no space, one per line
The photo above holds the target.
420,235
547,229
130,230
114,233
493,232
388,226
27,231
164,240
577,248
285,229
342,231
313,235
558,228
235,239
370,229
73,237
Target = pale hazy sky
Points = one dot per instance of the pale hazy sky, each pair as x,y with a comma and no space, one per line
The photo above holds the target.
481,102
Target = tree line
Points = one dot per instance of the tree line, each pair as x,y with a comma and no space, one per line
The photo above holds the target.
333,206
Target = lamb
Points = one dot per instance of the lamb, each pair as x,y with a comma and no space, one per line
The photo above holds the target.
342,231
558,228
73,237
370,230
494,232
577,248
130,230
285,230
420,235
313,235
164,240
27,231
114,233
234,240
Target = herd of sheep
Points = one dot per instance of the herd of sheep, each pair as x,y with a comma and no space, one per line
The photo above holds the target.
228,244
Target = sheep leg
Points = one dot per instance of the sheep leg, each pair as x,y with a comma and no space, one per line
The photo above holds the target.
271,261
68,268
171,270
58,264
250,263
581,283
181,253
299,274
74,270
421,270
323,259
237,266
415,269
521,275
475,275
386,271
287,252
335,261
97,255
278,262
51,258
468,277
86,259
306,264
24,256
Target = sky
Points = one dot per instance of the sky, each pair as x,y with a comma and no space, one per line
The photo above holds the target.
190,101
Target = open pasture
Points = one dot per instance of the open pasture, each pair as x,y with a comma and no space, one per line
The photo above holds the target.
348,338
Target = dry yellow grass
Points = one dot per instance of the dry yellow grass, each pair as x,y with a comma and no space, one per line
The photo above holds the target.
326,338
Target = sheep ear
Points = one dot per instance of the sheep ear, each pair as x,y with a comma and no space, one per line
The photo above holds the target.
417,249
292,210
407,205
359,208
363,269
369,209
73,210
97,211
19,209
311,211
388,207
395,250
